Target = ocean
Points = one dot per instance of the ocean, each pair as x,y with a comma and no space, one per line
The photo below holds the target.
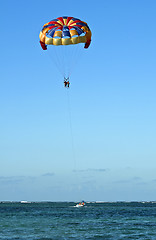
61,220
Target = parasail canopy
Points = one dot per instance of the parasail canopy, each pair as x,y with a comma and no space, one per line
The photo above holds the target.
65,31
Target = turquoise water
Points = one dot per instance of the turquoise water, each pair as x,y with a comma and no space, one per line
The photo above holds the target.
61,220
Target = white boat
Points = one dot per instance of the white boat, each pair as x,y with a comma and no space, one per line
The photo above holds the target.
25,202
81,204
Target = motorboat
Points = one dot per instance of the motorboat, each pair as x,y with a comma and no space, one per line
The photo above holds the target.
81,204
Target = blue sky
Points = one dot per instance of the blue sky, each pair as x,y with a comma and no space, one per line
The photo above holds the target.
110,153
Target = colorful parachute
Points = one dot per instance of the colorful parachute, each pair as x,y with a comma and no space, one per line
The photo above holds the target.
65,31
